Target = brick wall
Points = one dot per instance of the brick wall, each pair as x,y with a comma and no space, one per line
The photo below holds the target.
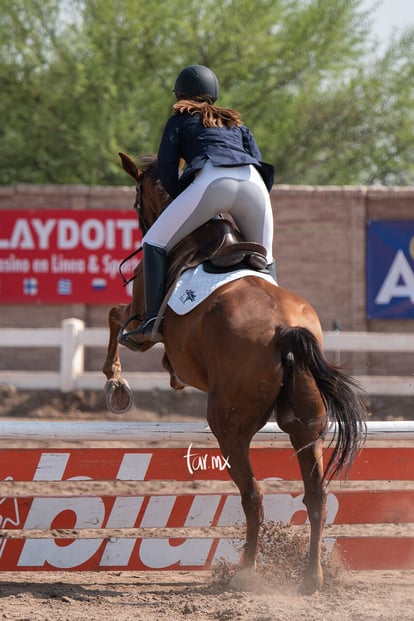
319,250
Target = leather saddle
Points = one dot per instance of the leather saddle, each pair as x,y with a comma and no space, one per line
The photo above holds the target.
220,247
217,244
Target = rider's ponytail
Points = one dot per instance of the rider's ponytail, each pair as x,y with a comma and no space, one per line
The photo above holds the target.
211,115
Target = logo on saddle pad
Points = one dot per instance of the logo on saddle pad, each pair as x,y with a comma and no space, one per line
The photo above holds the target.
195,285
188,296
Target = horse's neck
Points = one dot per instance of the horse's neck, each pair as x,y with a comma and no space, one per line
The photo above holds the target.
156,200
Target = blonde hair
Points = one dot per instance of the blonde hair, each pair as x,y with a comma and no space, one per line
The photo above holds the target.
211,115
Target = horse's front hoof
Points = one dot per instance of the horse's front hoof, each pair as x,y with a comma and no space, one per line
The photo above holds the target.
118,396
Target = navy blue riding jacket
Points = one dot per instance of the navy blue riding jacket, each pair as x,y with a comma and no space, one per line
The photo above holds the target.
185,137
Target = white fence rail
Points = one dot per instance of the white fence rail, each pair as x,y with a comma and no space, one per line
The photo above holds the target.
72,338
184,433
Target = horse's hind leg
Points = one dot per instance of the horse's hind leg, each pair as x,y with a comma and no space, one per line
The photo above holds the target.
310,461
301,413
234,442
118,395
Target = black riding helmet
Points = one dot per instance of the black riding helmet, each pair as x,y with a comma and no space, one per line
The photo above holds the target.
196,81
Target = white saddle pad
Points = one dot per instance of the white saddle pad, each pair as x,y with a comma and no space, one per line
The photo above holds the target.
195,285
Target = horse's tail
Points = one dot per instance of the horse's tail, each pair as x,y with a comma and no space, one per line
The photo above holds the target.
343,397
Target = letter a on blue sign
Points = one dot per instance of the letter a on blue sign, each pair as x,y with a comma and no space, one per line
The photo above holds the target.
390,269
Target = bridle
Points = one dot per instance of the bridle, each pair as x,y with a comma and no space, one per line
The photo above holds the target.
143,225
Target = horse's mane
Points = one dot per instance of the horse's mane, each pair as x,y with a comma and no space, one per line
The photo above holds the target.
148,164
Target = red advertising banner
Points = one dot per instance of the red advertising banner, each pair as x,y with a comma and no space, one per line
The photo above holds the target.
190,464
91,526
66,256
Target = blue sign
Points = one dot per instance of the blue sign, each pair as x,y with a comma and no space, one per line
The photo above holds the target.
390,269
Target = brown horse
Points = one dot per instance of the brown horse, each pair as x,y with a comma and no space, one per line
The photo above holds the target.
255,349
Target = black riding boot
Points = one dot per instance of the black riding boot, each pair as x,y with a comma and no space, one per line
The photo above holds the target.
155,273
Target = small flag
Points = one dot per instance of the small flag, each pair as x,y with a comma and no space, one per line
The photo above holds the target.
64,286
99,284
30,286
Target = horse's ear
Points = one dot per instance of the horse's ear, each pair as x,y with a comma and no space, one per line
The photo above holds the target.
129,166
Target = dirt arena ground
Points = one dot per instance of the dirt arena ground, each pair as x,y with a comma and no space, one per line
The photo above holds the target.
174,596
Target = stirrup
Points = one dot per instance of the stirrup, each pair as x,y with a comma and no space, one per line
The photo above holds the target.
149,330
144,332
124,336
128,337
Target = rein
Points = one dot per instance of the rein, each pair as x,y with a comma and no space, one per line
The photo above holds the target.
125,280
143,225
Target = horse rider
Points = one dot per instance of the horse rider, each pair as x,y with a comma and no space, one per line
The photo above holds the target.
224,174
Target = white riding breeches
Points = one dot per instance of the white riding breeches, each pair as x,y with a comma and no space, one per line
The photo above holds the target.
239,191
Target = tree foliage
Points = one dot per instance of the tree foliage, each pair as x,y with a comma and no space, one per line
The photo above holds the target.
83,79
